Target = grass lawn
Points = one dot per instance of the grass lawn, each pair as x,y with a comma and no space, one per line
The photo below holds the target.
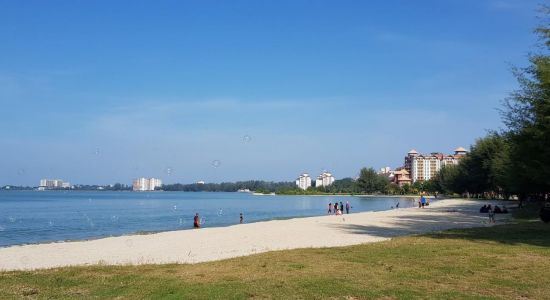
508,261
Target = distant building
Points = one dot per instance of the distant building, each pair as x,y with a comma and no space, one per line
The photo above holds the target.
423,167
51,184
385,170
200,182
146,184
303,181
324,180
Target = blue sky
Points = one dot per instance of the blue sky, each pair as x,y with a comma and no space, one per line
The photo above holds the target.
105,91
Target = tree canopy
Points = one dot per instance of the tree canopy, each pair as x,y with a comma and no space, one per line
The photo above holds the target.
516,160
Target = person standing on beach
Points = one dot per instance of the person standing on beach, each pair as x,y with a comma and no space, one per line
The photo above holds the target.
342,207
422,201
196,221
330,208
241,218
491,215
347,207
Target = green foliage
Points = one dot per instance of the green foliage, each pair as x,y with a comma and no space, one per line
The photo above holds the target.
527,116
447,180
484,171
371,182
253,185
345,185
516,161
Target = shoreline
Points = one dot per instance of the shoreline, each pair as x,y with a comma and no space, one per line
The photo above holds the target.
216,243
93,238
144,233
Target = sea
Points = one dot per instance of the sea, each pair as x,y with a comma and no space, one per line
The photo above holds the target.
30,217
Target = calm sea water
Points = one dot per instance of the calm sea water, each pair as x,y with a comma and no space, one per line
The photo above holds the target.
46,216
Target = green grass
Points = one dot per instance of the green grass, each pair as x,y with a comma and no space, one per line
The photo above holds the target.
529,211
502,262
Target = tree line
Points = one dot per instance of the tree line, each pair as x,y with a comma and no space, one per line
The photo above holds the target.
252,185
514,161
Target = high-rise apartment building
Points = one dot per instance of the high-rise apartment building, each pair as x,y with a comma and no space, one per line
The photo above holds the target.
423,167
53,184
303,181
325,179
146,184
385,170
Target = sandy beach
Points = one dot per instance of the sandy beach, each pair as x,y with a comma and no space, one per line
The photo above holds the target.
208,244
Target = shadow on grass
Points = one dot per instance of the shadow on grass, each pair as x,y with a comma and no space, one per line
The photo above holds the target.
407,225
475,227
531,233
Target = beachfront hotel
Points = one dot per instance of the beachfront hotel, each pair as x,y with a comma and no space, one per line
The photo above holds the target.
50,184
303,181
423,167
324,180
146,184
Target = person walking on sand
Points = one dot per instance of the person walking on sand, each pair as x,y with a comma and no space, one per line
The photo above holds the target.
330,208
347,207
196,221
241,218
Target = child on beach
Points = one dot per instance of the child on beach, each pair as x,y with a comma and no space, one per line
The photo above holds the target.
330,208
241,218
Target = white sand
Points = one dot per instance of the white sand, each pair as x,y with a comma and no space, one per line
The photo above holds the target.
208,244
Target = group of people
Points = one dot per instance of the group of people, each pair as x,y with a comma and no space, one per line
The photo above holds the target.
488,209
197,220
497,210
338,209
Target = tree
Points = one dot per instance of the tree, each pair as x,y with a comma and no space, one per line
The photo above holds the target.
527,117
371,182
406,189
449,180
480,164
394,189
